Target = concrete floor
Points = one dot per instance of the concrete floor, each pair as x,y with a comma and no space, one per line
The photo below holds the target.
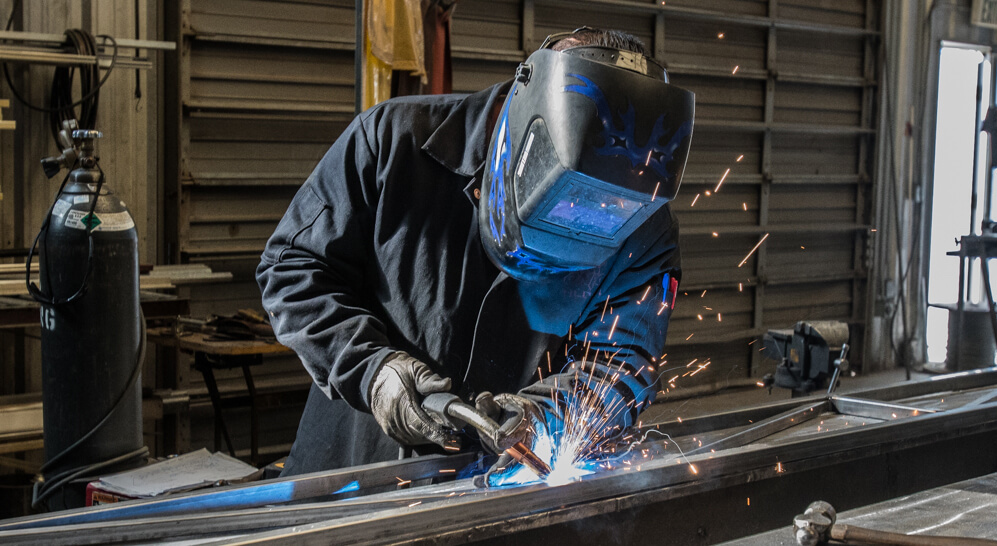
736,398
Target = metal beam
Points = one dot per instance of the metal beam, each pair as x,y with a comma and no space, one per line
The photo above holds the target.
281,490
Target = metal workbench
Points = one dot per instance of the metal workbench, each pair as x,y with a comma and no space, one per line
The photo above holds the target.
742,472
963,509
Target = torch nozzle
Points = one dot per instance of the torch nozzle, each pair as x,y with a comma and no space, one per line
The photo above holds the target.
527,458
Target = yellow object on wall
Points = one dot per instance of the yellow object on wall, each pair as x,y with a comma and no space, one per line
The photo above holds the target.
394,41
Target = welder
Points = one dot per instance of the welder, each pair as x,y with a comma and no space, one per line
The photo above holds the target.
473,243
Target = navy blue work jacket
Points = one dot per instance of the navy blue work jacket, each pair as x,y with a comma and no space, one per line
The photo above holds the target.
379,251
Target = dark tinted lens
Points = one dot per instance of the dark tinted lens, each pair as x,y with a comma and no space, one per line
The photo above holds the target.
588,210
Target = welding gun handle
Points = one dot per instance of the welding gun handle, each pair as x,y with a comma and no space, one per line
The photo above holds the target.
438,403
459,413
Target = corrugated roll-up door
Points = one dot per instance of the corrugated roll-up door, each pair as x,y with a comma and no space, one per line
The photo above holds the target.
785,91
785,97
264,88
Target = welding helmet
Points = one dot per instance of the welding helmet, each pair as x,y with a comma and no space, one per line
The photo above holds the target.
590,142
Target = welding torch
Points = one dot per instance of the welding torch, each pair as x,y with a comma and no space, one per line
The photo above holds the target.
458,413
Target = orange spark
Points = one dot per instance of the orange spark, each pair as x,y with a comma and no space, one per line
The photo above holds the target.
694,199
753,250
655,194
736,68
613,329
739,158
722,178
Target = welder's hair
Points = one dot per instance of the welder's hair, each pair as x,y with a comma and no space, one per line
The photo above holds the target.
616,39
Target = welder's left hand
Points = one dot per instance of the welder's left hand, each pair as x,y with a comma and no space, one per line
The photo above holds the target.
519,420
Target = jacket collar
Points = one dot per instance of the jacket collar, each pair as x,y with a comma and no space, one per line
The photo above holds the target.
461,141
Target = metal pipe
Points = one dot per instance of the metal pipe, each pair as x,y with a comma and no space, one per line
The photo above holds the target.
974,200
359,45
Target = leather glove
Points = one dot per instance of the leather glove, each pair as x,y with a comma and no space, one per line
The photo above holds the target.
396,401
519,419
555,392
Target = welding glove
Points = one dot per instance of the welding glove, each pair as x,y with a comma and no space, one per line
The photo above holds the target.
518,419
396,401
497,475
592,401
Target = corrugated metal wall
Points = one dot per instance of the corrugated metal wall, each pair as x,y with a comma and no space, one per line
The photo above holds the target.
786,92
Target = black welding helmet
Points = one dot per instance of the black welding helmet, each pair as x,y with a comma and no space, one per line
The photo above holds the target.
589,143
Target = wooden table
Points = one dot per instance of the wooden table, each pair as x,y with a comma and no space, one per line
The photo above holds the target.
210,355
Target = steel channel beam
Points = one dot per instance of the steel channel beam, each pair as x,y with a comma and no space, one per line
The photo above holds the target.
971,379
281,490
233,522
388,517
530,507
875,410
323,483
964,380
985,398
767,427
355,512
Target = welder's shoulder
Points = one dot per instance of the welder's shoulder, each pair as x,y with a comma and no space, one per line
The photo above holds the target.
415,117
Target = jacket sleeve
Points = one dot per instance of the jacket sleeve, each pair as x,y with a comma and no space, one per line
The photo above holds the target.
619,343
312,272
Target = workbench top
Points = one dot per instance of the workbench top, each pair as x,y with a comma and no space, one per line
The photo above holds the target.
964,509
199,341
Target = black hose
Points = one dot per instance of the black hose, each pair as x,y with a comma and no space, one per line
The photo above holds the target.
33,289
61,103
44,489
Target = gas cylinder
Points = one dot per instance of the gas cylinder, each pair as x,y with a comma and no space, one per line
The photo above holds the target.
91,330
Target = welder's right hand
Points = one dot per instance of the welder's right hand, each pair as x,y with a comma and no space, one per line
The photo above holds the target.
396,401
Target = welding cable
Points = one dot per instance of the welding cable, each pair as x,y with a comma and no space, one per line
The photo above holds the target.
44,489
33,289
62,105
